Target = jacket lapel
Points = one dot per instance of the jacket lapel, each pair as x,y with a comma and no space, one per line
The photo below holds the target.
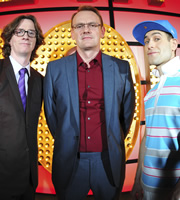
108,73
108,79
31,82
12,80
71,70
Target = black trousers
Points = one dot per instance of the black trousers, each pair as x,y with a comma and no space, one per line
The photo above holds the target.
29,194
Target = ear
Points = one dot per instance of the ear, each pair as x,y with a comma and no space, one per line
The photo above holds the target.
174,44
102,31
72,33
10,41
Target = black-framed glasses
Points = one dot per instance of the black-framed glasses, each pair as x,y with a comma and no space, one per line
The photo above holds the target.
21,33
91,26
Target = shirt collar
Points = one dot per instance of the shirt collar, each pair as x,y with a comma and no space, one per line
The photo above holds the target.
172,66
17,66
169,68
96,59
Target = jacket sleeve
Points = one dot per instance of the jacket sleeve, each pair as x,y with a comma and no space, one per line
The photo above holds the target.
50,100
128,102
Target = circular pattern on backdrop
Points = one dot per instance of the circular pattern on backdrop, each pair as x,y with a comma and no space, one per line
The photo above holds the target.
58,44
1,45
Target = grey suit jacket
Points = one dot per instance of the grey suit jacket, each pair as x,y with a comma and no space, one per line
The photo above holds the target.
62,113
18,130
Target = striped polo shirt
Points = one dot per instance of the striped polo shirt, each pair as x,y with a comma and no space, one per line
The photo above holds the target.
161,168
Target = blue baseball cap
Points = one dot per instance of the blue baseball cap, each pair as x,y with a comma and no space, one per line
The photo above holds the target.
142,28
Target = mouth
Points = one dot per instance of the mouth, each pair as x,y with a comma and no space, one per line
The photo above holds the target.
25,43
87,38
151,53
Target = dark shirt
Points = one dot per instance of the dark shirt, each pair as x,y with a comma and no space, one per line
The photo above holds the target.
93,137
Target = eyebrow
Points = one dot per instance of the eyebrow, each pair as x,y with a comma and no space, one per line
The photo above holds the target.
152,34
87,23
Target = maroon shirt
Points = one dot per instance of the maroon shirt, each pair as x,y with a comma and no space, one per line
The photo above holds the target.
93,137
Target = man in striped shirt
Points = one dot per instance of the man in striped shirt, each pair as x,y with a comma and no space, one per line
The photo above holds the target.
158,172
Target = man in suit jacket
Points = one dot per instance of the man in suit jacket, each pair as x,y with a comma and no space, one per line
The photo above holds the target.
89,104
18,122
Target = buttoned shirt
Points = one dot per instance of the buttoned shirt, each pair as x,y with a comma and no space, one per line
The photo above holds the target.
93,137
16,68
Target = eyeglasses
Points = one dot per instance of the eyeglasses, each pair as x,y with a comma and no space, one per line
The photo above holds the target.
91,26
21,32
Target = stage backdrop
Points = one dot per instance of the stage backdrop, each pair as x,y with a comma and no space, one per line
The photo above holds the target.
120,17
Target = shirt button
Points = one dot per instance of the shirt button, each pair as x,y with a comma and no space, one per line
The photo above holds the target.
89,118
89,137
88,70
88,86
89,102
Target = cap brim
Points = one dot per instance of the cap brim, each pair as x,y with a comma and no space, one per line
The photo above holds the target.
142,28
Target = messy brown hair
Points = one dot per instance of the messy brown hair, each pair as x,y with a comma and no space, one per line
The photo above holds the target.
8,32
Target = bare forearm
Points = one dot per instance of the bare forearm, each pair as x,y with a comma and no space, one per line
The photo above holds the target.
140,158
137,192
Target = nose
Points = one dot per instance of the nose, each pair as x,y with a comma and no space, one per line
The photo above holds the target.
26,35
86,27
150,44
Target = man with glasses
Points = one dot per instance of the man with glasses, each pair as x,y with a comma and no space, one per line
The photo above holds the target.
20,105
89,104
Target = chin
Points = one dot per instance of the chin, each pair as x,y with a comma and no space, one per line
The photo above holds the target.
151,62
87,48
